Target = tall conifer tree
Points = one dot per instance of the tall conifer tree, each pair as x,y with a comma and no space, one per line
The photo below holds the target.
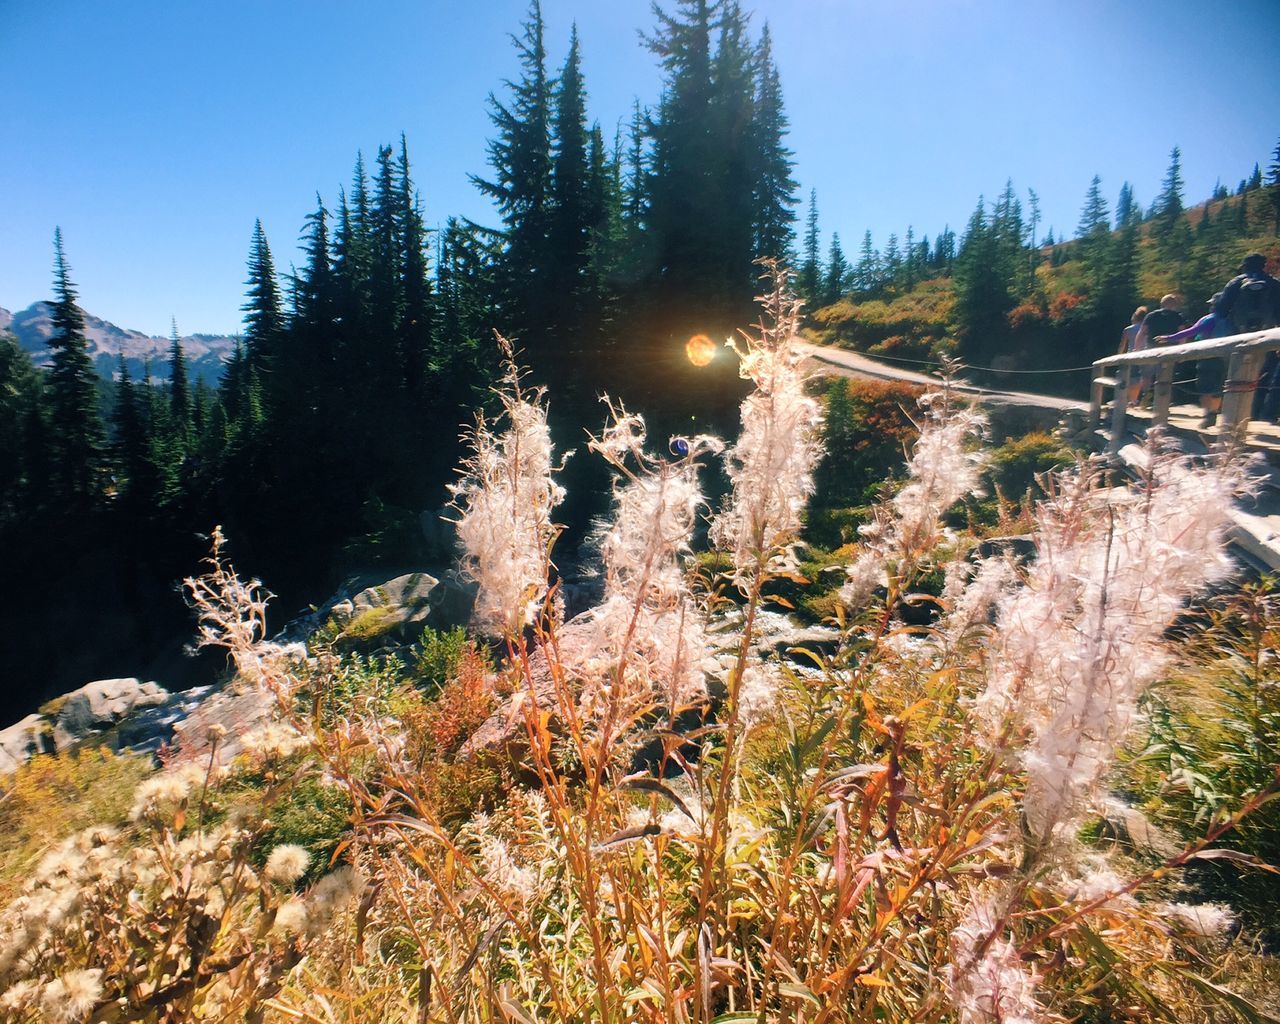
77,437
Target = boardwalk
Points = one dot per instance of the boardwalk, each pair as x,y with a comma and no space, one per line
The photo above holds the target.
1256,520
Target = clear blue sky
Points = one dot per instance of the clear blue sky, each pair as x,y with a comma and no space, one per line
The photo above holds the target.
155,131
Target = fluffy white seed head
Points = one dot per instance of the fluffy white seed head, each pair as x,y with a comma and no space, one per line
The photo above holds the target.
504,502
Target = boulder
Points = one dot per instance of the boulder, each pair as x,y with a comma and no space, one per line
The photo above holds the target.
22,741
232,714
101,705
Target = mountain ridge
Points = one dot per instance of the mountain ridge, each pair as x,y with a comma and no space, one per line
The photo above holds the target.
33,327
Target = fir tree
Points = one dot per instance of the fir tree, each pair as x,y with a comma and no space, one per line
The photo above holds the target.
263,320
1273,186
417,303
1255,179
837,272
774,187
22,450
76,433
1127,210
520,156
1094,216
1169,203
807,285
866,273
179,386
571,218
132,443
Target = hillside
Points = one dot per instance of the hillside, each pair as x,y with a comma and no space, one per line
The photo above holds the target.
1044,311
106,343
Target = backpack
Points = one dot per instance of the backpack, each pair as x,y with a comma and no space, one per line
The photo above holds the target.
1254,309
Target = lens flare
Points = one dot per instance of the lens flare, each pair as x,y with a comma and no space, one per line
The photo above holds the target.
700,349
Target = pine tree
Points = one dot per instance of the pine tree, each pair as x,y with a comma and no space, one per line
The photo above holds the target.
1273,185
808,282
417,304
910,265
892,262
1094,216
132,443
179,386
1127,210
866,274
837,272
520,156
22,452
982,284
774,187
1169,204
1033,204
571,216
76,433
1255,179
263,320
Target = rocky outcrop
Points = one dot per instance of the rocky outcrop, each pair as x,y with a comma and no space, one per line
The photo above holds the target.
23,740
361,613
100,705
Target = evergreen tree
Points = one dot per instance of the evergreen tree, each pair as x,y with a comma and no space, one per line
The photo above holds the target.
76,433
1094,217
417,303
910,266
808,282
1127,210
1255,179
891,264
1033,204
132,441
866,274
837,272
179,386
944,250
520,156
1273,185
22,451
774,187
1169,203
264,319
571,217
983,287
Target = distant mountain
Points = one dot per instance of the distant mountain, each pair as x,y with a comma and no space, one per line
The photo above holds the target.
205,352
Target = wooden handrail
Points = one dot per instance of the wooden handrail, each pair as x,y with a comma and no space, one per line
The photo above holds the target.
1254,341
1243,353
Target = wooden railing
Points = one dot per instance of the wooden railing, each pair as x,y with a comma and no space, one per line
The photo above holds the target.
1244,354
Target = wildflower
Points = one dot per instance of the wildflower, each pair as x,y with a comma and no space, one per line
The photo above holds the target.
160,796
274,741
986,981
504,501
1076,646
1203,920
72,996
19,996
287,863
647,637
757,694
331,895
291,917
771,466
939,473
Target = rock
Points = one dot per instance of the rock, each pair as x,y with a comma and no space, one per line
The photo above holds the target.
1129,825
149,730
238,712
101,705
21,742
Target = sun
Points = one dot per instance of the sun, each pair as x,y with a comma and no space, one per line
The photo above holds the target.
700,349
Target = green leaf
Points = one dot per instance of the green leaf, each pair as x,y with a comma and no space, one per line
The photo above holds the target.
796,991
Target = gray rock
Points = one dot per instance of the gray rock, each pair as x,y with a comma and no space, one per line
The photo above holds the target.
235,713
102,704
23,740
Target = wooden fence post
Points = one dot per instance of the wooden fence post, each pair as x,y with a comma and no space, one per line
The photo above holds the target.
1119,406
1164,396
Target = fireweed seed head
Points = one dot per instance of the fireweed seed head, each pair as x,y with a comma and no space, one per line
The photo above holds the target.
71,997
287,863
986,980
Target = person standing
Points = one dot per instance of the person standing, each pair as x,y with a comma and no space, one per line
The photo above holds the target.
1128,339
1209,375
1251,302
1159,322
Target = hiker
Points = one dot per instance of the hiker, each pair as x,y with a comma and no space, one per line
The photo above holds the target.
1158,323
1128,339
1251,302
1209,372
